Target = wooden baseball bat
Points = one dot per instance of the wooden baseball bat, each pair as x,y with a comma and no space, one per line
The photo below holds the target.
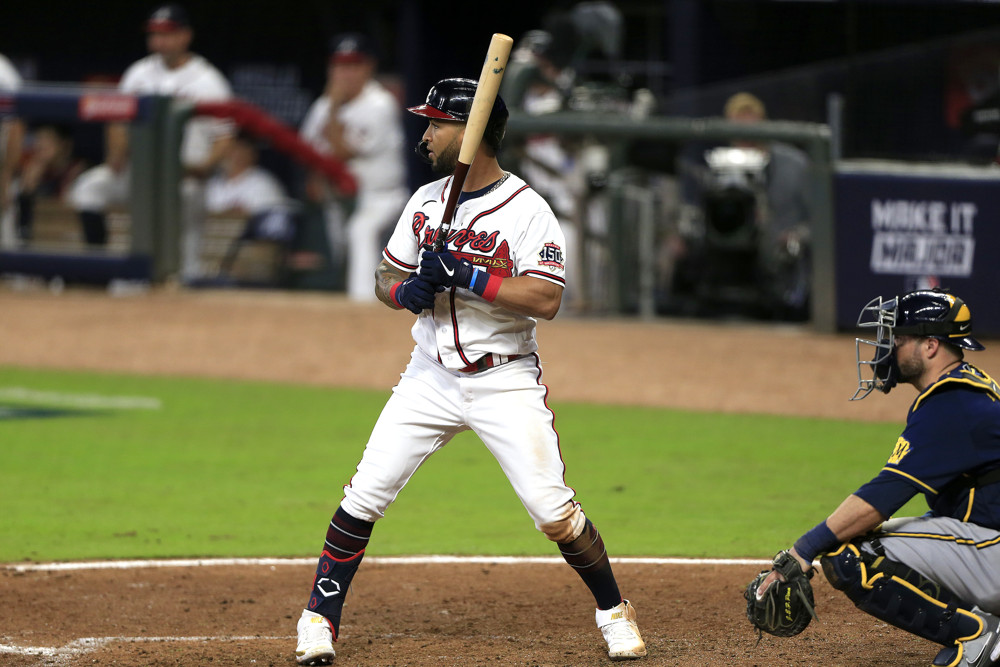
479,116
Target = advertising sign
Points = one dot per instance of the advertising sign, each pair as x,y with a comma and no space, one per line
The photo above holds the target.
902,227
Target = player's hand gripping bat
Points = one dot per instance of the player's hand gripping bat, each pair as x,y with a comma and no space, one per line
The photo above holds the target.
479,116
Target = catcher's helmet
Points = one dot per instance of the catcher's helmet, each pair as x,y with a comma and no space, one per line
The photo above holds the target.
451,99
926,313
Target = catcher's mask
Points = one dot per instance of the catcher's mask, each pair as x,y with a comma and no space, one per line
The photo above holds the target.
925,313
451,100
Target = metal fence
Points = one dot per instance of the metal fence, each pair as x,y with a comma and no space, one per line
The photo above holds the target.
641,202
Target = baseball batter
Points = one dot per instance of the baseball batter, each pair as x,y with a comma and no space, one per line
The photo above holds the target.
475,367
171,70
938,575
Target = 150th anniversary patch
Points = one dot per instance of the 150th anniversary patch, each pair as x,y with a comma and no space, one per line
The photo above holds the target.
551,255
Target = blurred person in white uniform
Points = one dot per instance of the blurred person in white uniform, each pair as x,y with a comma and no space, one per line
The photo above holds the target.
11,139
243,189
170,69
241,185
358,121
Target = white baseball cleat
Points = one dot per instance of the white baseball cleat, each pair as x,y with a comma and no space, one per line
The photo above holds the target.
315,645
621,632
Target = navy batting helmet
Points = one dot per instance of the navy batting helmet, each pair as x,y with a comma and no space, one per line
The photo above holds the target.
451,99
926,313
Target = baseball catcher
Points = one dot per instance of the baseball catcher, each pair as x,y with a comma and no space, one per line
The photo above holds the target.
936,575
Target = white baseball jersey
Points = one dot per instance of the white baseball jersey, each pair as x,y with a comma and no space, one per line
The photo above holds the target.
373,130
197,79
10,79
510,231
252,191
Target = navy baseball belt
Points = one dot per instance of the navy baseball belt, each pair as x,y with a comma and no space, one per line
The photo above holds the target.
489,361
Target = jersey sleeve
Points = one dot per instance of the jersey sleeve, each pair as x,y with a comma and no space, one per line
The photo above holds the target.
541,250
311,130
132,78
211,87
887,492
933,450
403,249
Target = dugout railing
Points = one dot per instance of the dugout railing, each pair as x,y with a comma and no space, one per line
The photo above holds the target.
151,251
72,106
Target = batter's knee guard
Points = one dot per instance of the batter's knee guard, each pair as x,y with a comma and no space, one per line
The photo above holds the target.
333,579
900,596
568,527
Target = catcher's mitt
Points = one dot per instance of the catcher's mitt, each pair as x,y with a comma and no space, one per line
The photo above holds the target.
786,607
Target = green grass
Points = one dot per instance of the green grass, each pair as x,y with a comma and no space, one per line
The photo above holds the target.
227,468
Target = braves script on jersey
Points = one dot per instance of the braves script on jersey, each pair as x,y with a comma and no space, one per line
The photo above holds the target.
509,231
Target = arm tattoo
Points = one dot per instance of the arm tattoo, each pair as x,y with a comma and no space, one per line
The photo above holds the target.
385,277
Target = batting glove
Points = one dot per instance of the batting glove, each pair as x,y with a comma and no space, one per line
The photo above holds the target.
444,268
415,294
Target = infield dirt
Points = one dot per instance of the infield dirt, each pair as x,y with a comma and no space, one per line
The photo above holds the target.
429,614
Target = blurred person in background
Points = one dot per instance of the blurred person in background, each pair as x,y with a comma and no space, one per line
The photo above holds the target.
48,169
11,138
534,83
170,69
789,207
543,76
742,238
788,210
241,185
242,189
358,121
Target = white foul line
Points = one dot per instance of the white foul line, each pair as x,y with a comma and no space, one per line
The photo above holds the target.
372,560
89,644
96,401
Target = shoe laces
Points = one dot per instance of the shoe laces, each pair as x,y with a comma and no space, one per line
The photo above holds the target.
315,632
621,632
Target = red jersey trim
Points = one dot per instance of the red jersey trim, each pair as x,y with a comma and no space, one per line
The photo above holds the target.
500,205
396,262
454,314
454,328
545,276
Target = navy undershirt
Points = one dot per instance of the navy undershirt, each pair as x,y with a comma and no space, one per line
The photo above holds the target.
466,196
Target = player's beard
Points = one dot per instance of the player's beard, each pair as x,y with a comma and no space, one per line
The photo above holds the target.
445,161
911,367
